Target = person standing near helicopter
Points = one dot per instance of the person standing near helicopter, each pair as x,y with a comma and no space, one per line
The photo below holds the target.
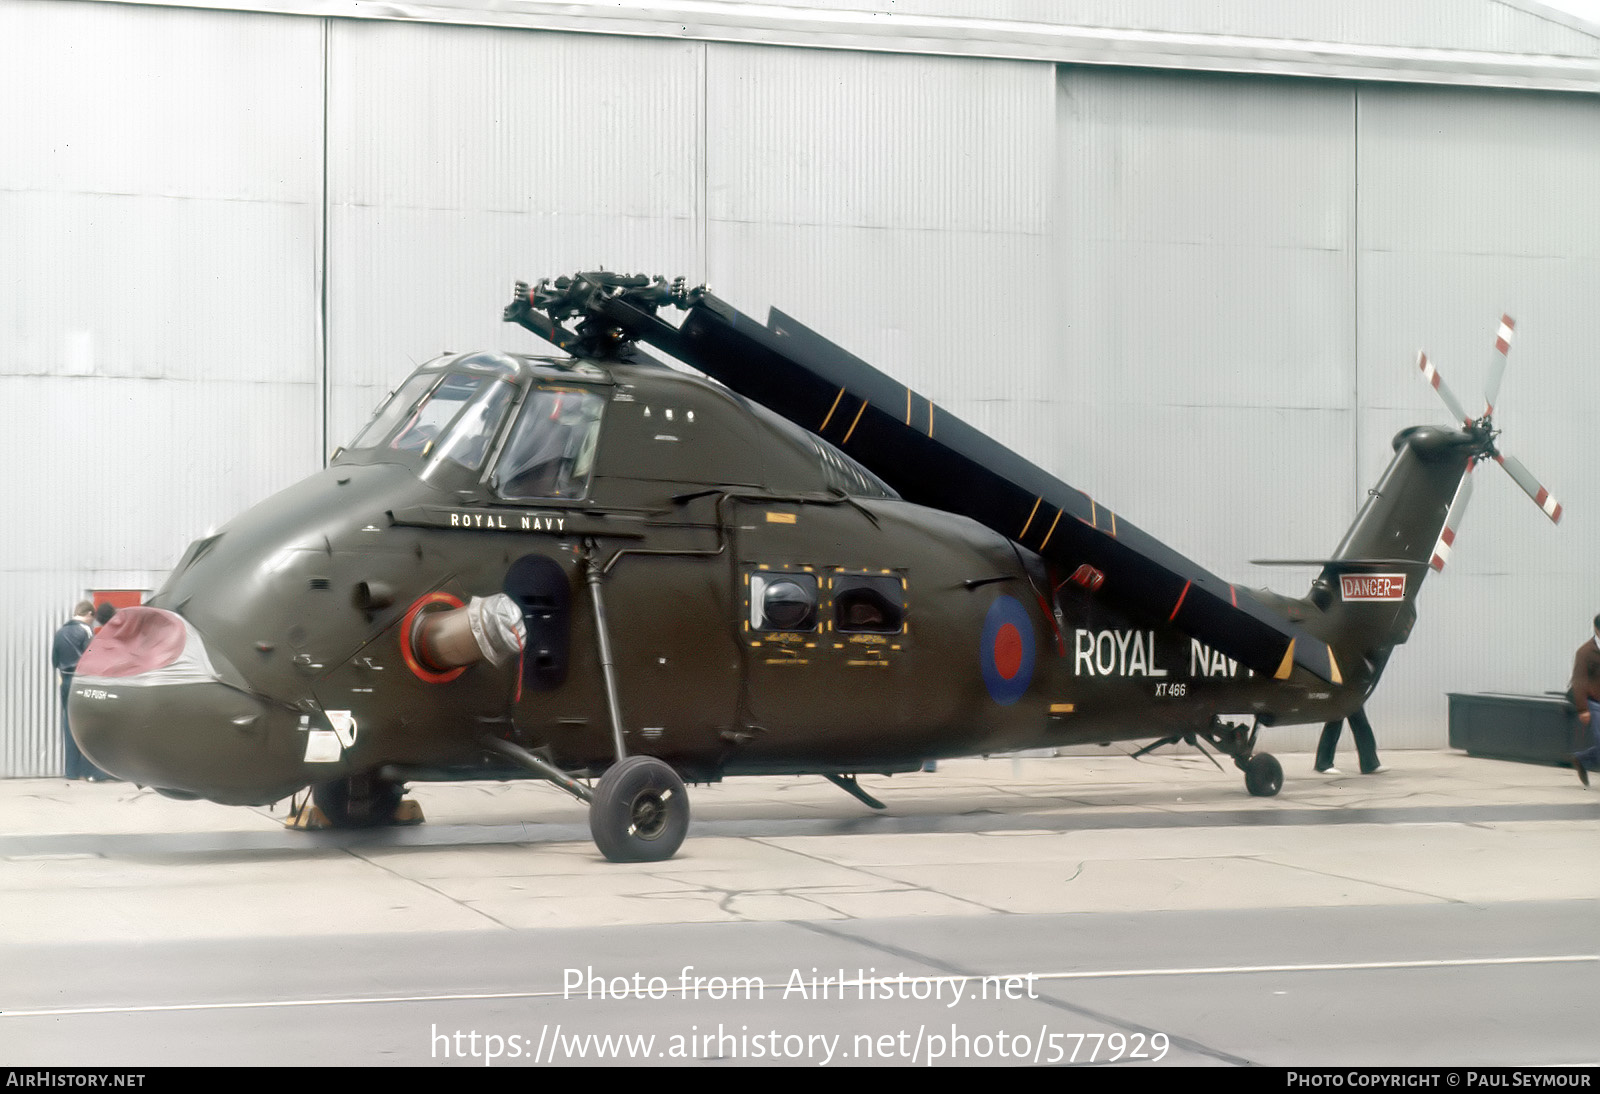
70,640
1366,745
1585,689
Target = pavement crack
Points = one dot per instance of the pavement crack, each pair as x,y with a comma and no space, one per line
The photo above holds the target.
421,883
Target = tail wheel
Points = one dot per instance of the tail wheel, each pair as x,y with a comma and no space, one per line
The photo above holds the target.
1263,775
360,801
640,811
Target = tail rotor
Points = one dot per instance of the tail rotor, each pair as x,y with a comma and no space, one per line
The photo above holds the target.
1484,435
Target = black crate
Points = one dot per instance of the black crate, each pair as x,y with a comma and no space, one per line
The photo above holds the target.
1540,729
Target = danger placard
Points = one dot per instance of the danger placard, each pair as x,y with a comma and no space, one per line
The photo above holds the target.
1373,586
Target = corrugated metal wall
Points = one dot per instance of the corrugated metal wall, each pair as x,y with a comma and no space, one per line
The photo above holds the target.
1248,267
1196,297
159,219
1470,204
900,204
462,159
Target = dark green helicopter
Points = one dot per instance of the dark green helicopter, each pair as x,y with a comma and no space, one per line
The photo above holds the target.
597,567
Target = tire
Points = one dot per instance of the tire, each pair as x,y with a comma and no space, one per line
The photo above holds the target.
1263,775
358,801
640,811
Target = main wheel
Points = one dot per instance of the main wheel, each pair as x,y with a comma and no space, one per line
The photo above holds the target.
1263,775
640,811
360,801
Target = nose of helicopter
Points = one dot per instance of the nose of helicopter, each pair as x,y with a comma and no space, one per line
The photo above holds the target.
149,704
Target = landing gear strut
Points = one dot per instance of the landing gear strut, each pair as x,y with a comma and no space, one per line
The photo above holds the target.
1263,774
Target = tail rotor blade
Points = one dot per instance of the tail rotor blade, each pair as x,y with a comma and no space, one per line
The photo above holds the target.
1530,486
1431,374
1452,521
1497,366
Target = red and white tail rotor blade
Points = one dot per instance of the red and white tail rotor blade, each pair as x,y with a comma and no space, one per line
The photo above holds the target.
1530,486
1452,520
1497,366
1431,374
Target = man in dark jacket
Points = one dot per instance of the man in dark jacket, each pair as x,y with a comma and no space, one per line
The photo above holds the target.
1586,696
70,642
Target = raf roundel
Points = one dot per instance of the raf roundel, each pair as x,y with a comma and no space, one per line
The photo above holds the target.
1006,651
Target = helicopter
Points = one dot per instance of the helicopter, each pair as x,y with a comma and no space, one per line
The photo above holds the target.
621,576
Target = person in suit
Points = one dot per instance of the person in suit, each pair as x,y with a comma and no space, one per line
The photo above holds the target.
71,639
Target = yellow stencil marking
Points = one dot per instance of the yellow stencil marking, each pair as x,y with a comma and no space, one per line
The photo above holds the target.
1030,517
860,412
1052,531
831,409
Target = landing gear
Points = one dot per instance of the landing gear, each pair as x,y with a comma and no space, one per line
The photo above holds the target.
640,811
1263,774
359,801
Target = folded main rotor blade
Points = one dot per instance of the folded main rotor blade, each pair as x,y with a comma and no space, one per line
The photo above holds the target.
1433,377
933,458
1497,365
1452,520
1530,486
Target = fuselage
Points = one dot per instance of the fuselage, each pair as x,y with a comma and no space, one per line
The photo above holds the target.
770,607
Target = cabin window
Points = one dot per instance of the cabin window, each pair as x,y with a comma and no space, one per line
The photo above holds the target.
550,453
868,604
783,602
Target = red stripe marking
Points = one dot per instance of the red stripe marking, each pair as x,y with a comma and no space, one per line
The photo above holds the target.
1508,321
1437,563
1179,604
1233,595
1543,494
1556,516
1449,537
1503,346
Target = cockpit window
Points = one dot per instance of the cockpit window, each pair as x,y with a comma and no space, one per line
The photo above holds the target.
394,410
550,453
466,439
445,418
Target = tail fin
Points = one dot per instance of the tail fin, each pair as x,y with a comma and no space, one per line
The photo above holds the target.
1365,595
